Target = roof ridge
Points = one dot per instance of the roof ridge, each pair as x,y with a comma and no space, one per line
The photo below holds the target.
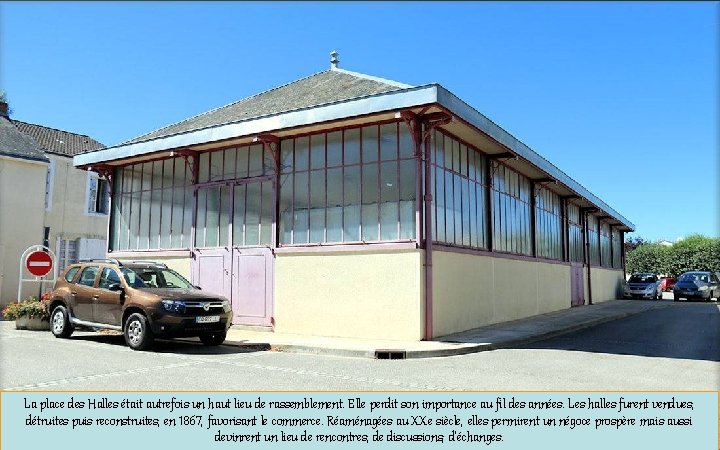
373,78
136,138
55,129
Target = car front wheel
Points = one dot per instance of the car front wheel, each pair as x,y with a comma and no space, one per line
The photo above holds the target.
213,338
138,335
60,323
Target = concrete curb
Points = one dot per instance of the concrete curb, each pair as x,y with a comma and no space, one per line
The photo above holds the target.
464,349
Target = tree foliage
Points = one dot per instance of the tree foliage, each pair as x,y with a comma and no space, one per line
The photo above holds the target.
695,252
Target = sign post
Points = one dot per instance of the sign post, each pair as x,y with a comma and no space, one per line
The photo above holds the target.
39,261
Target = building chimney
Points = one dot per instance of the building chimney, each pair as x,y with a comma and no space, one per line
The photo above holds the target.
3,109
334,61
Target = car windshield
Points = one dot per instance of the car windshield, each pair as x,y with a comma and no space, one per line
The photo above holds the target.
692,277
642,278
155,277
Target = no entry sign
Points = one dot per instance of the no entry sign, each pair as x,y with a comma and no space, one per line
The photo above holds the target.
39,263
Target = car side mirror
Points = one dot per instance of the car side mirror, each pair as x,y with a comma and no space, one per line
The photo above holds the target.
115,287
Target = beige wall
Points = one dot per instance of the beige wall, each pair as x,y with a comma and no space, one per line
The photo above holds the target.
67,215
470,291
606,284
22,206
359,294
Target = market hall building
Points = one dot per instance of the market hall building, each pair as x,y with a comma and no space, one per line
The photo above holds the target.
347,205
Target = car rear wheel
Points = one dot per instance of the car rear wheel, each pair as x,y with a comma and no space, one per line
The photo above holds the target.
213,338
138,335
60,323
676,298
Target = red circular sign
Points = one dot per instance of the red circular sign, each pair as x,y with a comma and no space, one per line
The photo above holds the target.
39,263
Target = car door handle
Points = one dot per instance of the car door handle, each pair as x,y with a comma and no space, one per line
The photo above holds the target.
74,293
95,297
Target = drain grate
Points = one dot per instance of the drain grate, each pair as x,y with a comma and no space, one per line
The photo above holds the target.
390,354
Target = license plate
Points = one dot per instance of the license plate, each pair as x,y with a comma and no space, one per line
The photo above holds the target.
207,319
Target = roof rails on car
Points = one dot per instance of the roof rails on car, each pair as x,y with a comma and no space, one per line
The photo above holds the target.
105,260
153,263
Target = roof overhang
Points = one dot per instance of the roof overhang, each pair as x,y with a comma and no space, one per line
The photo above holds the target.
399,100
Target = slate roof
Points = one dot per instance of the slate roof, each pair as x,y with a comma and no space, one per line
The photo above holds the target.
16,144
58,142
330,86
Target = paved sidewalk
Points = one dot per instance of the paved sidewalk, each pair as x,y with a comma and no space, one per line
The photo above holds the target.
490,337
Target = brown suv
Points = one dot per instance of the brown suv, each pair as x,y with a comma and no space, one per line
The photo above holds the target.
141,299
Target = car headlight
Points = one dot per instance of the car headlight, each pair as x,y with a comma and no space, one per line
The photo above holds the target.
703,288
173,306
650,288
226,305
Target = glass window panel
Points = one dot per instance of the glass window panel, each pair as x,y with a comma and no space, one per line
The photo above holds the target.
390,191
252,213
239,214
449,209
146,169
217,159
351,223
212,220
407,146
407,179
266,218
440,205
456,156
241,160
155,208
463,159
351,177
302,153
229,164
144,234
204,168
388,141
370,222
334,224
407,219
457,210
167,173
286,155
286,216
317,151
389,221
466,213
448,151
317,189
335,187
370,143
301,218
225,208
352,146
256,164
334,148
178,202
317,224
369,184
187,217
124,227
439,156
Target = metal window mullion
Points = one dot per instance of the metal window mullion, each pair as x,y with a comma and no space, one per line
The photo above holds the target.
378,229
397,178
342,185
325,179
362,196
162,196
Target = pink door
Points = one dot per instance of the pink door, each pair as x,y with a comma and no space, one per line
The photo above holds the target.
577,285
252,286
211,270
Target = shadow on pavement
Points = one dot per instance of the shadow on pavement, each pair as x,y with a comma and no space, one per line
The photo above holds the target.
681,331
189,346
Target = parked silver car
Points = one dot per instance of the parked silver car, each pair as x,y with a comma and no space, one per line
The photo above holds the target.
643,285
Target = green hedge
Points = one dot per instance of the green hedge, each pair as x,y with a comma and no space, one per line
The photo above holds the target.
696,252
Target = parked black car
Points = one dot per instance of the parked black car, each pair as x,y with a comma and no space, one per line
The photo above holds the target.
697,284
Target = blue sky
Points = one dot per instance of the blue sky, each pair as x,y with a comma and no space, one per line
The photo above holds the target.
623,97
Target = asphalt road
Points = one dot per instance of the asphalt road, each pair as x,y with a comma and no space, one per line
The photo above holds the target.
673,348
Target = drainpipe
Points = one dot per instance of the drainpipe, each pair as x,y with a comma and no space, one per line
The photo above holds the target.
431,121
586,238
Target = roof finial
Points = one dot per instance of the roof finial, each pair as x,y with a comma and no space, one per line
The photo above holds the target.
334,59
